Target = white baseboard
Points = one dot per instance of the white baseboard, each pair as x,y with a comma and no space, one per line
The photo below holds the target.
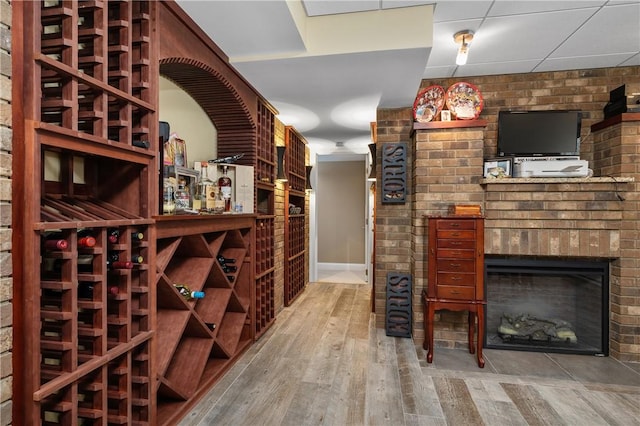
341,266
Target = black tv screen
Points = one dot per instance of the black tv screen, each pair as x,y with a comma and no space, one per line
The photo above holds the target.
538,133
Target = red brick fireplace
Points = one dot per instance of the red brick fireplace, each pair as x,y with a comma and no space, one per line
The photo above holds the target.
580,218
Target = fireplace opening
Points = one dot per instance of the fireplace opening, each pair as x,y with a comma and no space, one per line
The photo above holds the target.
547,305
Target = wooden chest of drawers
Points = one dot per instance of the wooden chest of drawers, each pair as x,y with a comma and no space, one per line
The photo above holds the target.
455,271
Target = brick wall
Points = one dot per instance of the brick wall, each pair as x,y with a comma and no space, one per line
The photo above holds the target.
572,219
6,283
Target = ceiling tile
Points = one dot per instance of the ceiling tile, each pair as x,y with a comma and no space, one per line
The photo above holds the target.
502,8
623,36
456,10
524,37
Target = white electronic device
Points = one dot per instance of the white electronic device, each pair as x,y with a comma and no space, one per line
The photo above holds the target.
550,167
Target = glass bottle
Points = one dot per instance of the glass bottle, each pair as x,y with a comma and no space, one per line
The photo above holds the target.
225,186
182,197
113,235
187,293
168,198
204,188
85,239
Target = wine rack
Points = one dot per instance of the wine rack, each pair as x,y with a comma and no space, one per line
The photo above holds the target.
265,312
83,352
295,276
201,338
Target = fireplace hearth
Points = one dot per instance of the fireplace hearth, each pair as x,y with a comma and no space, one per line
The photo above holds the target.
547,305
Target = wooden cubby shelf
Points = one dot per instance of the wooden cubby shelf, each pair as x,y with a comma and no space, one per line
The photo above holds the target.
295,275
86,190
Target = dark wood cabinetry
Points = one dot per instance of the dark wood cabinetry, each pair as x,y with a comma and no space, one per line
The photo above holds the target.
295,274
84,169
455,275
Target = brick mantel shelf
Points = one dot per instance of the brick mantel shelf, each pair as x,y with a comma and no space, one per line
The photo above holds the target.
603,179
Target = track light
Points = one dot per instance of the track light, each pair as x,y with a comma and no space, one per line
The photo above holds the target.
463,38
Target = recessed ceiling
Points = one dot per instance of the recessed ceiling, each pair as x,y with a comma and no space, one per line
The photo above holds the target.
311,59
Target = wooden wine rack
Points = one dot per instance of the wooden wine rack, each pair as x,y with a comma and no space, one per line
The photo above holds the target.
86,119
295,276
265,223
201,339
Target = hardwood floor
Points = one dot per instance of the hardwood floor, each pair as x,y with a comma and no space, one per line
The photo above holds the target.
323,363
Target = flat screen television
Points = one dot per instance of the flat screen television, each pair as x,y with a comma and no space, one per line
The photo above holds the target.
539,133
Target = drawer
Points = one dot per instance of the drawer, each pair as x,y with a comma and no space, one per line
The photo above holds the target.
453,292
456,234
455,224
457,279
456,253
457,244
456,265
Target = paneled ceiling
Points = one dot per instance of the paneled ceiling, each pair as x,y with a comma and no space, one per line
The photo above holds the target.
327,65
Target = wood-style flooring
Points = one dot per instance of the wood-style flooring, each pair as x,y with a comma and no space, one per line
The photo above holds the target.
323,362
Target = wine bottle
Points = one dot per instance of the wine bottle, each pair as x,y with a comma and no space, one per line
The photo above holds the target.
187,293
137,236
85,263
229,268
55,244
231,278
210,325
225,186
137,259
113,235
85,290
227,260
120,264
86,238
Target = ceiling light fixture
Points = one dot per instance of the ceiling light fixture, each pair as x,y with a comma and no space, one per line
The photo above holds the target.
463,38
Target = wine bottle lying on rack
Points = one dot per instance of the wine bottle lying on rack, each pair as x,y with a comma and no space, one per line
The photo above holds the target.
86,238
113,235
187,293
137,236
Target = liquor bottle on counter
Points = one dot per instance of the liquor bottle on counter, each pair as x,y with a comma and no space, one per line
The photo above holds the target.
168,198
183,200
225,186
205,189
187,293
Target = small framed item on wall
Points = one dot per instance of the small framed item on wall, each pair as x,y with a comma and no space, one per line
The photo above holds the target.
498,167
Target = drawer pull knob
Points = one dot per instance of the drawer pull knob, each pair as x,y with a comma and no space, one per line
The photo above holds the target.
455,225
455,243
455,234
455,292
456,278
456,265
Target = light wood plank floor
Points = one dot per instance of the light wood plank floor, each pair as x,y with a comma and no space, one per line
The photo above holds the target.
324,363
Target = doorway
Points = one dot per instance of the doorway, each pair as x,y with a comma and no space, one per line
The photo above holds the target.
341,200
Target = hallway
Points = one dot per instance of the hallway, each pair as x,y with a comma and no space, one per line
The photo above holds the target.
324,363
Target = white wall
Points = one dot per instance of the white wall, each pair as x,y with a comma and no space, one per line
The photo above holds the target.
189,121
